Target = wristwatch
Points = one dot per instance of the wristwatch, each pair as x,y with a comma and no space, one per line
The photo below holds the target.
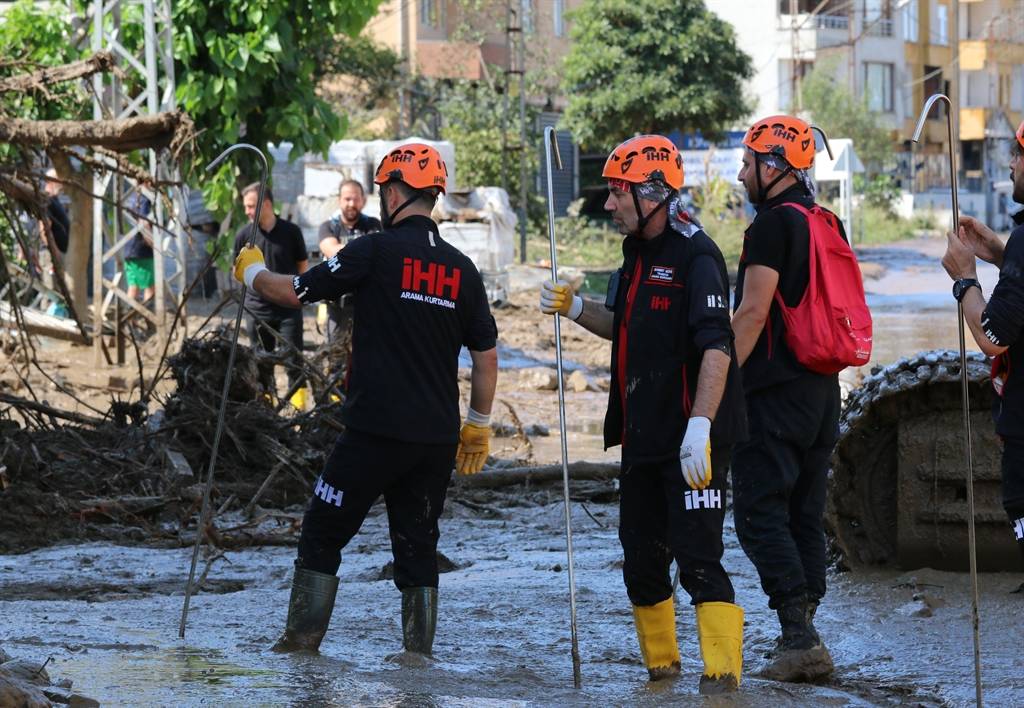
961,286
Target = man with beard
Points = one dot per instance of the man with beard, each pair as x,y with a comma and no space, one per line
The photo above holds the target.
674,405
347,224
997,325
780,472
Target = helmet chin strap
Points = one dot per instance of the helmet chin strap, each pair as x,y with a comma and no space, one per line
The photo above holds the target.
387,219
762,192
641,220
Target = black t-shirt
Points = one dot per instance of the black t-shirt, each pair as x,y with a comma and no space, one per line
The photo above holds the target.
60,225
1003,322
283,249
418,301
777,238
335,228
137,248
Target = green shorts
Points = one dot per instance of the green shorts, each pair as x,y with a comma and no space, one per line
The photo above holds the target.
139,272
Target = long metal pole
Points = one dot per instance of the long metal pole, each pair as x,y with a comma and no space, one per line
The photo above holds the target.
964,397
200,528
551,146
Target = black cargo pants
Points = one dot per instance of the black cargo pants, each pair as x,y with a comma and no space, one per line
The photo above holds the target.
290,328
1013,486
412,477
779,478
661,518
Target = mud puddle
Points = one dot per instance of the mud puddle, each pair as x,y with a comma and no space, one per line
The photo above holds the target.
503,630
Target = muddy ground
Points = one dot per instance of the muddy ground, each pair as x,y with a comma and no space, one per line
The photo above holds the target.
108,614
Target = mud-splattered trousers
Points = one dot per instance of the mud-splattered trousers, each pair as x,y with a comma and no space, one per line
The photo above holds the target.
661,518
780,477
413,479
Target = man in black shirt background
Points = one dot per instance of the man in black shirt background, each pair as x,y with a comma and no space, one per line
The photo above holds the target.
419,302
997,326
284,250
674,404
348,223
780,473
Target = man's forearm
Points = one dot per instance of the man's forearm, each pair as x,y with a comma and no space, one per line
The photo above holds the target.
483,380
276,288
596,318
974,306
746,327
714,369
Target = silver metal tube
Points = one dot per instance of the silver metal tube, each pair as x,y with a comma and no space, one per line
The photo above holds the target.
964,395
205,510
551,146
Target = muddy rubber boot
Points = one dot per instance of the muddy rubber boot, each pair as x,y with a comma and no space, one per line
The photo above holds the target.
656,630
309,611
801,656
419,619
720,632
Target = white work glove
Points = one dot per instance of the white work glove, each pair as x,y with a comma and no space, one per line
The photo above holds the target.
695,453
558,298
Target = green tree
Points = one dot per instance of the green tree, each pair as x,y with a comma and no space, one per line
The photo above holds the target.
651,66
842,115
249,69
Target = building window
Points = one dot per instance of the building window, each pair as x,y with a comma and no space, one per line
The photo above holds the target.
909,13
878,86
940,31
430,13
527,12
878,18
558,16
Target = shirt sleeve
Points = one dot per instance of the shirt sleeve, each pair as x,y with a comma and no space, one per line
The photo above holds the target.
765,242
708,318
1003,317
481,332
240,239
338,275
325,231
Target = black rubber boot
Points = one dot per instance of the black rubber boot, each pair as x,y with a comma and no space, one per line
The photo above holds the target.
419,619
801,656
309,611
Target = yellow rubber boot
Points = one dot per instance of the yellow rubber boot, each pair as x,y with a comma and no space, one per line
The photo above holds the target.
656,630
720,631
298,399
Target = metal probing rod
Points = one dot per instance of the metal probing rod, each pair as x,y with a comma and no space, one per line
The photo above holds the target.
551,145
227,383
965,401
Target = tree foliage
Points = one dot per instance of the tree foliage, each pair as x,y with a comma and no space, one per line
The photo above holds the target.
842,115
651,66
249,69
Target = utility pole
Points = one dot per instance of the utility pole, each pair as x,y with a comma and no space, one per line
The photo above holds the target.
851,54
794,49
516,63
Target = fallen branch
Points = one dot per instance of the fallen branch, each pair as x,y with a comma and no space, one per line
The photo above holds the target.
542,473
21,403
97,63
154,131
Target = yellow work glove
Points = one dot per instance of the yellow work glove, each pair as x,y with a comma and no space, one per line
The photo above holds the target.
558,298
695,453
248,265
474,443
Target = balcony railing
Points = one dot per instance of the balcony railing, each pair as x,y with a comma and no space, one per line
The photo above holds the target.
880,28
832,22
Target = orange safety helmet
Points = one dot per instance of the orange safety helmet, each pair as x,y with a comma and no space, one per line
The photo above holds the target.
788,137
1020,135
418,165
646,158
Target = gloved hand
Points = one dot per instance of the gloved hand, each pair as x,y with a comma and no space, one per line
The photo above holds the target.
695,453
558,298
474,445
248,265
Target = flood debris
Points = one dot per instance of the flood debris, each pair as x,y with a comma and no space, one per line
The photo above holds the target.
26,683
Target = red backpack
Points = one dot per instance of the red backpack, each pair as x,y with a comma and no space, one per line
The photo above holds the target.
830,328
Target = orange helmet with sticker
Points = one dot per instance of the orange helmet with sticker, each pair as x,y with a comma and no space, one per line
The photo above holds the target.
646,158
418,165
788,137
1020,135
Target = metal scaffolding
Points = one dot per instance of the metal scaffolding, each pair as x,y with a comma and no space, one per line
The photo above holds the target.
151,77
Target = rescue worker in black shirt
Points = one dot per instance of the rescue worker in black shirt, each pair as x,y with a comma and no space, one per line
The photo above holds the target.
780,472
347,224
284,249
675,406
997,326
419,301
